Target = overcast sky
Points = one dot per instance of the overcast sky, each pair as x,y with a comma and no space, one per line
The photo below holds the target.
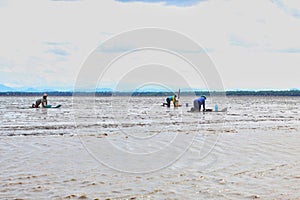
253,44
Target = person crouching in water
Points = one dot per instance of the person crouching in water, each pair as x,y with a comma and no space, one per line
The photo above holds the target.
173,99
42,101
198,103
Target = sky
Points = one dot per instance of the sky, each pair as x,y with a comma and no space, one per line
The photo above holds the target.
253,44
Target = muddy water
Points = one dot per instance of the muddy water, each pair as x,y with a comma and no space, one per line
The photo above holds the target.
146,151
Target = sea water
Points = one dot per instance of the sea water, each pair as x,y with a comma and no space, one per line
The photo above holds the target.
17,118
251,151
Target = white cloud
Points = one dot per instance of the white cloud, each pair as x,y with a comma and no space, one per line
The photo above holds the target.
166,2
291,7
50,40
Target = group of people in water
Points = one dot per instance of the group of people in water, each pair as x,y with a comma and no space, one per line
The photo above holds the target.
198,103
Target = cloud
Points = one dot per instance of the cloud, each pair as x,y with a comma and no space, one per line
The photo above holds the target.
290,7
131,48
266,30
56,43
66,0
167,2
237,41
61,49
288,50
116,48
57,51
62,35
3,2
5,64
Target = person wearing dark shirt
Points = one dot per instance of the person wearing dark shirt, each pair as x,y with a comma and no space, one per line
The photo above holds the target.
171,99
42,101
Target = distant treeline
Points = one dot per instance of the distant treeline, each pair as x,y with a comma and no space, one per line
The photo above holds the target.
197,93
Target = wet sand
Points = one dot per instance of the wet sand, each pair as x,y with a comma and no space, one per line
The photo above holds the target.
251,154
241,166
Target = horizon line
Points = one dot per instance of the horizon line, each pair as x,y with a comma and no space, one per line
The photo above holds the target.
106,90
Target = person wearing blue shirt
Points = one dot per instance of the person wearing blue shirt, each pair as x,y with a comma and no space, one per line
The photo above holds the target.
199,102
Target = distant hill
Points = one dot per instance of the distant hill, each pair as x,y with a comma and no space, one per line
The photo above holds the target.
197,93
4,88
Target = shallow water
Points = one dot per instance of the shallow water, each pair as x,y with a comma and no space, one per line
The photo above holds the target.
99,149
144,114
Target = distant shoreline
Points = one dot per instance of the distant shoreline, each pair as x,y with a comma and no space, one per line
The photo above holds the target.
294,93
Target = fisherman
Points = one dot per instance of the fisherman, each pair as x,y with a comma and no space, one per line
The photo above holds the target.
173,99
42,101
198,103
